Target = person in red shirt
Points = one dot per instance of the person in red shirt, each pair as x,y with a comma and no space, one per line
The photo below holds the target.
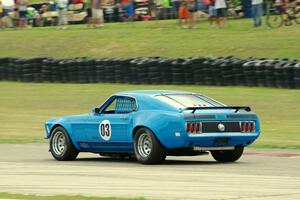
183,13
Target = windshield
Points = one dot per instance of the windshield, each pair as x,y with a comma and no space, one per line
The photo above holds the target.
188,100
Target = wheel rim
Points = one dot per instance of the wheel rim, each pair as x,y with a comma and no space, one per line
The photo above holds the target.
144,145
59,143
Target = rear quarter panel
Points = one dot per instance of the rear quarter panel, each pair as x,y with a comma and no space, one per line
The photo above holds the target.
164,124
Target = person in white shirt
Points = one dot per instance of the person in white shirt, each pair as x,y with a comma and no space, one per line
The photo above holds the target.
7,7
257,12
221,8
62,6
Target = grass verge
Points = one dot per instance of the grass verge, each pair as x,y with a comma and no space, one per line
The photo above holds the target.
25,107
153,38
59,197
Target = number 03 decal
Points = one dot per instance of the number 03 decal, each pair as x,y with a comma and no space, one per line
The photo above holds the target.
105,130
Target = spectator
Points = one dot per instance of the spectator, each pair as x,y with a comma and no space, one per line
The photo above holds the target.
97,13
183,14
88,12
175,7
22,10
1,15
280,6
212,13
128,7
153,8
62,6
8,7
40,19
257,12
193,8
220,6
165,8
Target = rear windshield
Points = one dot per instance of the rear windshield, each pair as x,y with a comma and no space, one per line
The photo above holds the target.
188,100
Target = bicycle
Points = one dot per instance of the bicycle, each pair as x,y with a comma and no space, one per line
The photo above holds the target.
278,15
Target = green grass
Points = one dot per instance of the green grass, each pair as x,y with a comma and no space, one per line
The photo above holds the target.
154,38
38,1
59,197
25,107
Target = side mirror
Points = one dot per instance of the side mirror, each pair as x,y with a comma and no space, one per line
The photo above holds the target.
96,110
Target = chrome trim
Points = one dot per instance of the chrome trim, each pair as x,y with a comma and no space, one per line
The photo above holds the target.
223,134
212,148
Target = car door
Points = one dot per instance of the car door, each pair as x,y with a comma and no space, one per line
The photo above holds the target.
108,129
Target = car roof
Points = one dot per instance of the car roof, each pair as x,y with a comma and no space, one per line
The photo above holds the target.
151,92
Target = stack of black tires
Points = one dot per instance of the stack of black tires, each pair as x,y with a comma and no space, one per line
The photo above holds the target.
220,71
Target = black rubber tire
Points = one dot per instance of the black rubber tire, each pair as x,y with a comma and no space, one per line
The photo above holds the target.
227,155
70,153
158,152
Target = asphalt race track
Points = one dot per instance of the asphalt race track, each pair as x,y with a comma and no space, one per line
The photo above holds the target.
260,174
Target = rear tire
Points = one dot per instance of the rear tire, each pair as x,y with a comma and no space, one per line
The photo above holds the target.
227,155
61,146
147,148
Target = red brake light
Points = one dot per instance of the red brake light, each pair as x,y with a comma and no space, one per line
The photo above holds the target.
193,127
188,128
247,127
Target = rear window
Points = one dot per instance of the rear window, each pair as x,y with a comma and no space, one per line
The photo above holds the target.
188,100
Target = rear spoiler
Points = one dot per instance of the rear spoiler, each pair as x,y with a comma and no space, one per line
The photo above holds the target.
236,108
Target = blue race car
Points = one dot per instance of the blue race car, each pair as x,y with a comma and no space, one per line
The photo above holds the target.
151,125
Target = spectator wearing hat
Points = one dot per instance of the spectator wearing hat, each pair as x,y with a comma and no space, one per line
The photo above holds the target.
257,12
62,6
97,13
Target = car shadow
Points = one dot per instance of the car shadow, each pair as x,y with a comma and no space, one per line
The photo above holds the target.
107,159
166,162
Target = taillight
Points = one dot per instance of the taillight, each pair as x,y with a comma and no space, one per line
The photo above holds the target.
247,127
193,127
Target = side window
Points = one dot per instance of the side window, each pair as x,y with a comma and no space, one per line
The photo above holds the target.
111,107
121,105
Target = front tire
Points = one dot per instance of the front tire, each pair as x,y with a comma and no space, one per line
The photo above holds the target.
227,155
147,148
61,146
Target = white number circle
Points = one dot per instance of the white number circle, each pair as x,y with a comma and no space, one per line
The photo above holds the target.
105,130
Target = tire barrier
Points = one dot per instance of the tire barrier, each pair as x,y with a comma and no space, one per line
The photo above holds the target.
220,71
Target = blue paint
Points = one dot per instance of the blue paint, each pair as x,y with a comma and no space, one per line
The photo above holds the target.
143,109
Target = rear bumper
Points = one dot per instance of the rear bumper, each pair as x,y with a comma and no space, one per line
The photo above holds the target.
233,139
208,140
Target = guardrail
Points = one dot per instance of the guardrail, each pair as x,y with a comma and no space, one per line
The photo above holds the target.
223,71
